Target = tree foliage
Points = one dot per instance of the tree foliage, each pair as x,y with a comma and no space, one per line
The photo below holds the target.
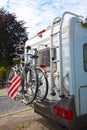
12,33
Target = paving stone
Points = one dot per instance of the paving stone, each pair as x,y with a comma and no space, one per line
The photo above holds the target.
9,106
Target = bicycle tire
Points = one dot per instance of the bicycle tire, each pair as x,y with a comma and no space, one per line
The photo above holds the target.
10,74
42,84
31,86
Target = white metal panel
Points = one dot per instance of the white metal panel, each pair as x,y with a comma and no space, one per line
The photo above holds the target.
83,100
80,38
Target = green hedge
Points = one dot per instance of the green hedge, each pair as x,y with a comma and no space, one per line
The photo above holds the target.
3,66
2,71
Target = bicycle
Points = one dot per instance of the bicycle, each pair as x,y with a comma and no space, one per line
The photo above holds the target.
42,78
28,87
33,78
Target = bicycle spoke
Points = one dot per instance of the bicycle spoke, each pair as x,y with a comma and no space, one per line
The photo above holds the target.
31,88
42,84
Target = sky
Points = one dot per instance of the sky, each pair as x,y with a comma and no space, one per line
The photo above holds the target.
39,14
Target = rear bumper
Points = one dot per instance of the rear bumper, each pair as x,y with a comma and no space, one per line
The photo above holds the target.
46,108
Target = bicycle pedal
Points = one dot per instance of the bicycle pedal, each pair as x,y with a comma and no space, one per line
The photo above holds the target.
23,92
24,101
19,96
53,93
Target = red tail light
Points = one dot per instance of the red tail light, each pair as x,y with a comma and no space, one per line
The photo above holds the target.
67,114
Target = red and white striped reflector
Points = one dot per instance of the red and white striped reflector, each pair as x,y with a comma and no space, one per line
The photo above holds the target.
15,82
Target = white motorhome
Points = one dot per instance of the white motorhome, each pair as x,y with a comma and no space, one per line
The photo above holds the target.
63,48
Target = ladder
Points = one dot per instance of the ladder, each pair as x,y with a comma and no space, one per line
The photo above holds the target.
60,51
52,58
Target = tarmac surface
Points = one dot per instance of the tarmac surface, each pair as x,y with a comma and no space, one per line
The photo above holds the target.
15,115
9,106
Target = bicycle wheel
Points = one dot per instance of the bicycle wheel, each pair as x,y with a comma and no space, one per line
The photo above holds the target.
10,74
31,86
42,84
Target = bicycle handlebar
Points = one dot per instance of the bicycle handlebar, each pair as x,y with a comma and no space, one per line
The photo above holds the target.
19,57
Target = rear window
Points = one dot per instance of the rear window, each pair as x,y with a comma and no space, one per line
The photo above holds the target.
44,57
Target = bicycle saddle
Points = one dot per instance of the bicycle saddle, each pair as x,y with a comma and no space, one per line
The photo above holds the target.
16,59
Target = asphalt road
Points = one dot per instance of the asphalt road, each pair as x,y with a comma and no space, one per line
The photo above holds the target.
10,107
11,110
